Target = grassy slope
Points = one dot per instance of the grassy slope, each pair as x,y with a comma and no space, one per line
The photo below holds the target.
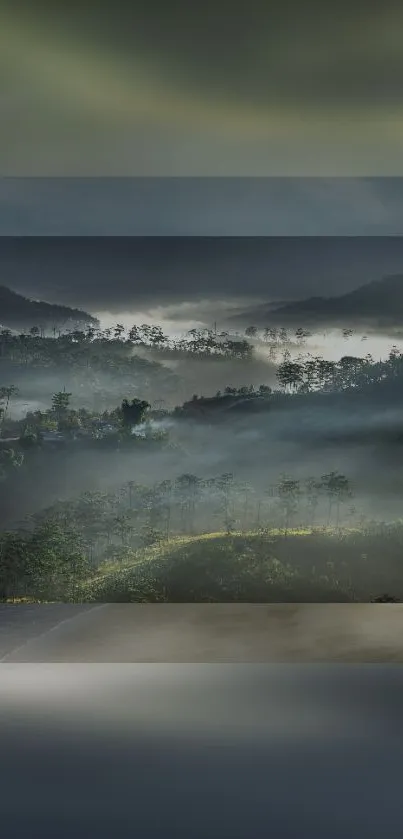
305,566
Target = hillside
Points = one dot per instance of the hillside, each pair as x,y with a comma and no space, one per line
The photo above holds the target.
303,565
19,312
379,302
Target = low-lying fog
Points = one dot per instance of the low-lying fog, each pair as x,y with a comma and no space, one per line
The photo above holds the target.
177,320
254,447
206,378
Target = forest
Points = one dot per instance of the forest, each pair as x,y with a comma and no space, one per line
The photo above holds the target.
120,483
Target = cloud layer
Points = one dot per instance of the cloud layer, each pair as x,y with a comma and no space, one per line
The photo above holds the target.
207,89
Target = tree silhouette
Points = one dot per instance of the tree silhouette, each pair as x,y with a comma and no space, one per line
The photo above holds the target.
337,489
289,493
5,395
251,331
290,374
133,412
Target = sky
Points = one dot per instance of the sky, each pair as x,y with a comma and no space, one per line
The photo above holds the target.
189,276
212,206
175,119
222,87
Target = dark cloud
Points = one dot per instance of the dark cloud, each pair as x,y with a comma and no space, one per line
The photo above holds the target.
210,88
254,51
115,274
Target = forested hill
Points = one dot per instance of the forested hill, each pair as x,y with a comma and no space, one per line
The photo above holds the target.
377,302
19,312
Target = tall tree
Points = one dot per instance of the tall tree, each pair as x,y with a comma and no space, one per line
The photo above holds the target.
289,491
5,395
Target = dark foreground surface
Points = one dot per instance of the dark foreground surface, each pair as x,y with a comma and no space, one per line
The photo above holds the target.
201,751
135,633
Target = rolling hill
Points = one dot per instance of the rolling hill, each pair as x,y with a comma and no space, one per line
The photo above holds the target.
305,565
376,303
19,312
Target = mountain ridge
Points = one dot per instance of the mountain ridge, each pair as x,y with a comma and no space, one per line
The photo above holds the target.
379,301
18,312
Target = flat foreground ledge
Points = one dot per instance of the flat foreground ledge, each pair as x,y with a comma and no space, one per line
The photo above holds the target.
205,633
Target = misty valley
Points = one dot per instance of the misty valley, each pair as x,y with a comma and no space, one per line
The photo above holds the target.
214,465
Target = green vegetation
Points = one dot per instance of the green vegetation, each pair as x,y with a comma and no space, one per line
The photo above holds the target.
218,568
317,565
191,536
145,544
44,564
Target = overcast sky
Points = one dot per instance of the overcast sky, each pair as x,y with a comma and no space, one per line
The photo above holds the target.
219,87
161,90
201,206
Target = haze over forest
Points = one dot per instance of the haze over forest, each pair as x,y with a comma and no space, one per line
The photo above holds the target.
181,394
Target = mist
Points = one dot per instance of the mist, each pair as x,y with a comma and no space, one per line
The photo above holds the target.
222,411
256,449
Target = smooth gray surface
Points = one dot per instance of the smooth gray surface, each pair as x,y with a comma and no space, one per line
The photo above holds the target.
238,633
201,751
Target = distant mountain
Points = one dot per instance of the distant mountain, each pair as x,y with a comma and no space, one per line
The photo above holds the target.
379,302
18,312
